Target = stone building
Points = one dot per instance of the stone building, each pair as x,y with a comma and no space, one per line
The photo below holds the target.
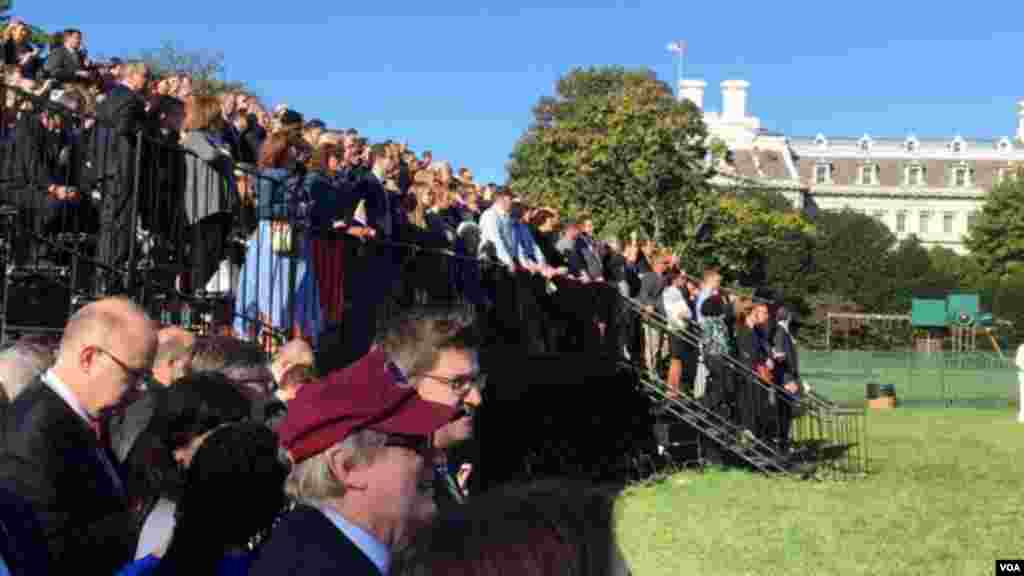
928,187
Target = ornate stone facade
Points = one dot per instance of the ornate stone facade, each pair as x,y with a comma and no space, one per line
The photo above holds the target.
929,187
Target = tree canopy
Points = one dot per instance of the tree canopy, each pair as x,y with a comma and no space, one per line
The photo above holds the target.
617,144
997,237
205,67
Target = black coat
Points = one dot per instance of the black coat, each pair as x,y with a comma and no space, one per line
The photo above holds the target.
51,459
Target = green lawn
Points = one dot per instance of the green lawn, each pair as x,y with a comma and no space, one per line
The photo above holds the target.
945,496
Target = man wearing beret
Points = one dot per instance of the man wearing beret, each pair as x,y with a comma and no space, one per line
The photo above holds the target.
360,441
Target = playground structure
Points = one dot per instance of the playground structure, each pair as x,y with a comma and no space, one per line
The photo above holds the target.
949,323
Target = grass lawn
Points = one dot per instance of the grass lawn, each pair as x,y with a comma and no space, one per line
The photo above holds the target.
945,496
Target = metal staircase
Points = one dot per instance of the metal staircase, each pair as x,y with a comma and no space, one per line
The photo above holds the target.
759,454
825,435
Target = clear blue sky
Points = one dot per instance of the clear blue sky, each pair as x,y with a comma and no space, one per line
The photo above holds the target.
461,77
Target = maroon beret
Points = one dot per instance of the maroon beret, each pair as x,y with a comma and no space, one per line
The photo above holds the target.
363,396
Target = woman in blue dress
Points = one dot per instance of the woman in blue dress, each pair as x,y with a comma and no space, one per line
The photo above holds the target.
234,493
277,290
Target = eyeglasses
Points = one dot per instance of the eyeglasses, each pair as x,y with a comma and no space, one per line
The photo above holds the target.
417,444
137,375
463,383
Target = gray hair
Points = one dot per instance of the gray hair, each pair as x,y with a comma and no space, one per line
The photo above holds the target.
20,366
312,481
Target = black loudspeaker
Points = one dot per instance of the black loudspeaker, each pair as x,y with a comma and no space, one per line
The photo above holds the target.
577,416
41,300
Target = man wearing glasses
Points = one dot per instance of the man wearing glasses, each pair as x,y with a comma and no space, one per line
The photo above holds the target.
53,451
360,443
434,349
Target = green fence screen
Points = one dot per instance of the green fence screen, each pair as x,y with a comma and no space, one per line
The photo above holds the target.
919,378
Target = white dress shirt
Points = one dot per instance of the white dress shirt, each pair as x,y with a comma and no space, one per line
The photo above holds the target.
376,551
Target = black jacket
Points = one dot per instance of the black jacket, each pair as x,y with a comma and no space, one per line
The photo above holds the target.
51,459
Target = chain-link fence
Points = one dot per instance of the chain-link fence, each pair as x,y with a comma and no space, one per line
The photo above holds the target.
919,378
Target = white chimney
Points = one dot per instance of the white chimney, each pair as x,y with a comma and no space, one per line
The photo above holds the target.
734,100
1020,120
693,90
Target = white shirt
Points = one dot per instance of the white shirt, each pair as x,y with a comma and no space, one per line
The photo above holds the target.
65,393
376,551
157,530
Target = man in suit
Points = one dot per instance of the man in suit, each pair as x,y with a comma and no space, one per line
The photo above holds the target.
360,443
568,248
652,284
67,62
52,449
120,118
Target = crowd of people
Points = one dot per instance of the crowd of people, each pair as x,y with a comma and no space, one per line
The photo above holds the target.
145,449
130,448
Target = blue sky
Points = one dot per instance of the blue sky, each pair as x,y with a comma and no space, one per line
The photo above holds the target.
460,78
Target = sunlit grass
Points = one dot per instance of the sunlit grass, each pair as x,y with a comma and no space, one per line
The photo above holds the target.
946,496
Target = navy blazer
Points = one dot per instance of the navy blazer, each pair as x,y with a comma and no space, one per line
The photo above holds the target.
307,542
50,458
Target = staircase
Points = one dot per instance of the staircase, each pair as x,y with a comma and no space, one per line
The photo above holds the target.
827,438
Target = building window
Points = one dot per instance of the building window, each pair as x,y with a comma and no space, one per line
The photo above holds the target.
878,215
925,218
869,175
822,173
961,176
972,219
901,222
910,146
947,223
958,147
914,175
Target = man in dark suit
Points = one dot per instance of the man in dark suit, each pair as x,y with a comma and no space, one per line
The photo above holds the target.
568,248
67,62
120,119
360,442
52,448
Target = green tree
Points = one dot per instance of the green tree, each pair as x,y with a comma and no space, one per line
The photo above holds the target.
850,259
206,68
617,144
997,238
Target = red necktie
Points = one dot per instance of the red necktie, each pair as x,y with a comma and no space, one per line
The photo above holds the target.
99,428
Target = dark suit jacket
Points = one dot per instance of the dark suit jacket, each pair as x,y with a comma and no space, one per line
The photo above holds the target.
651,286
568,250
119,118
21,539
50,458
62,65
307,542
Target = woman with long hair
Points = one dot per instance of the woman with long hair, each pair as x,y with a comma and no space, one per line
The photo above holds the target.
182,415
277,290
234,492
211,190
